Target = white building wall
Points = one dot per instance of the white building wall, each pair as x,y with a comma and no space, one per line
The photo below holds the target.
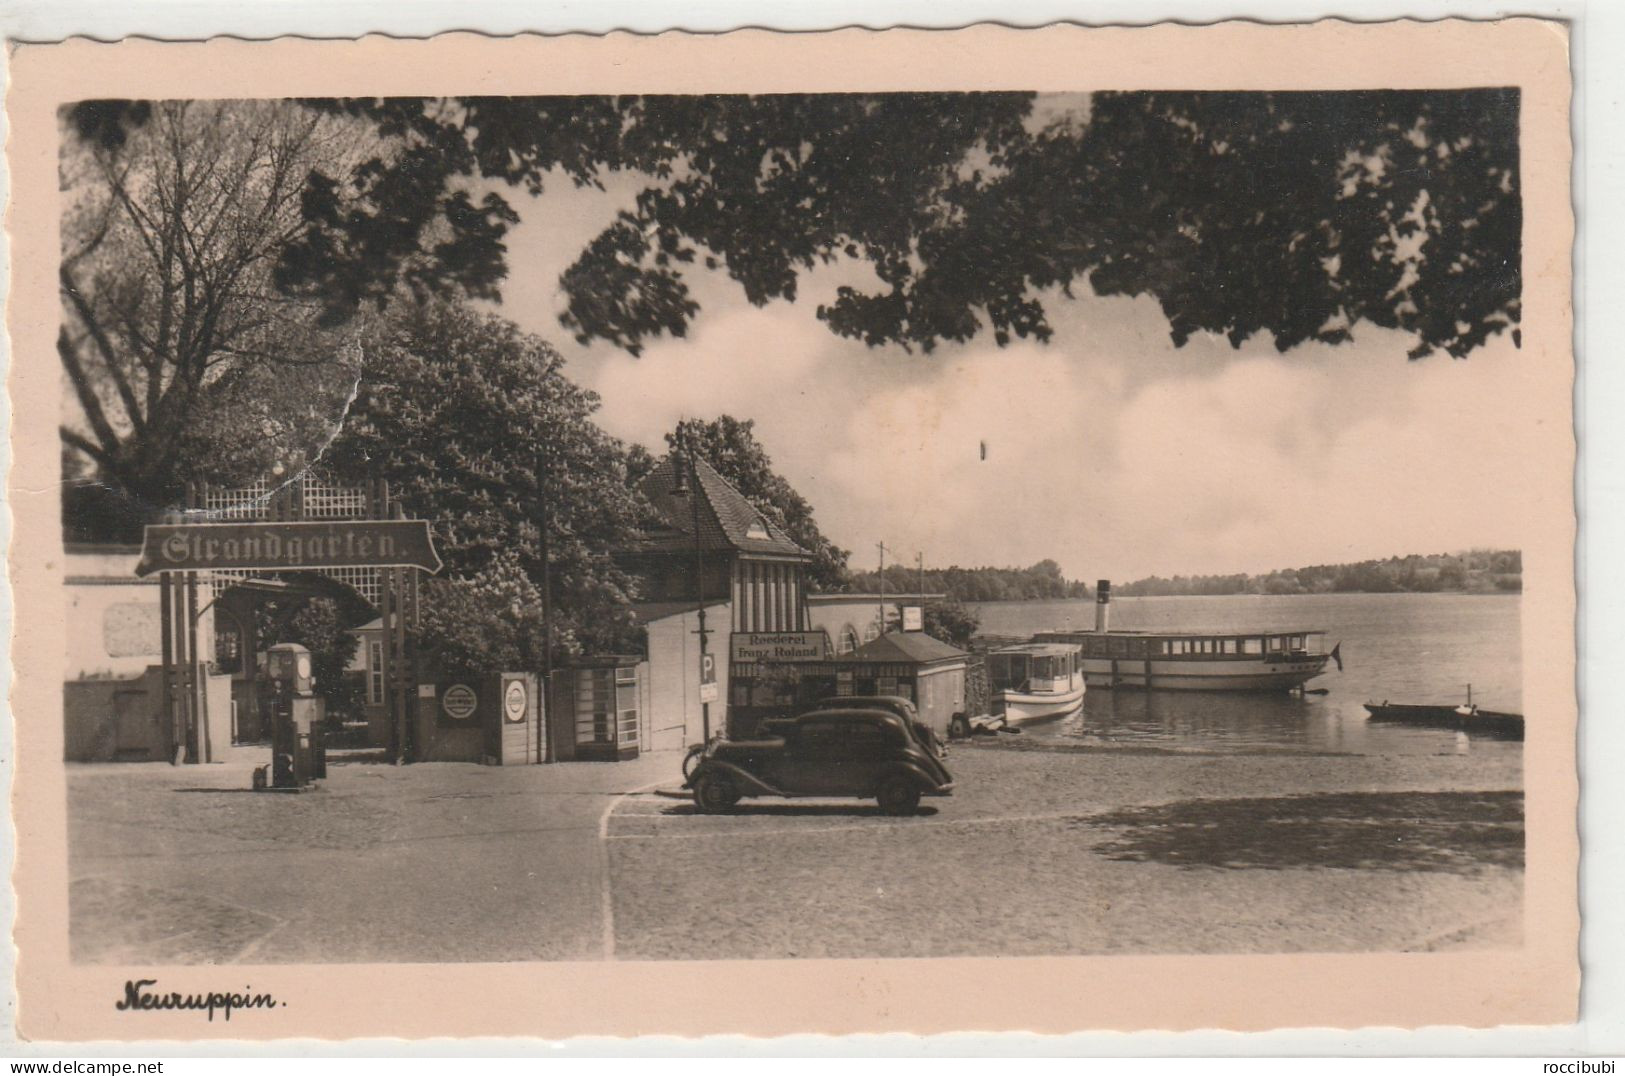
675,718
114,629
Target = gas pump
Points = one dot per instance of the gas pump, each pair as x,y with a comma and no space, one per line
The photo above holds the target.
298,754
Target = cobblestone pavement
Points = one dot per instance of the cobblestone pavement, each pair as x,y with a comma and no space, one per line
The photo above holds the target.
1039,851
1063,852
435,862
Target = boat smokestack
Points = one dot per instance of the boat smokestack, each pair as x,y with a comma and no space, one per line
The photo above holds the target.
1103,606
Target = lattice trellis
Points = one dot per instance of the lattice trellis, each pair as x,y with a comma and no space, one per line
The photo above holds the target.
308,496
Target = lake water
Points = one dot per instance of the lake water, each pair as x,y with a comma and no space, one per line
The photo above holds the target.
1397,647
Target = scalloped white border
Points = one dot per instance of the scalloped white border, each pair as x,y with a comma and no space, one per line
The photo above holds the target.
1600,393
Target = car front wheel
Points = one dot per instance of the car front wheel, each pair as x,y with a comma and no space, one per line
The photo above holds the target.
713,794
899,796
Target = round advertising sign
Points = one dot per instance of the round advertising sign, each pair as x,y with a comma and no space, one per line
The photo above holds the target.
514,701
459,702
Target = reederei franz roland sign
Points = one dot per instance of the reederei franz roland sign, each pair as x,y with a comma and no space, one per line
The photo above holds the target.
779,646
392,543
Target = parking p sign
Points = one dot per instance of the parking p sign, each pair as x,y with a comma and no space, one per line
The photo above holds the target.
708,678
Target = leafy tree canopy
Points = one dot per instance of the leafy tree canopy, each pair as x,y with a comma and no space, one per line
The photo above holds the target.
215,254
952,621
487,621
1477,571
181,351
1041,581
1296,215
461,412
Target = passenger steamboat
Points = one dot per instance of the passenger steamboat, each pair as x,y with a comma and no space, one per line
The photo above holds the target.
1271,660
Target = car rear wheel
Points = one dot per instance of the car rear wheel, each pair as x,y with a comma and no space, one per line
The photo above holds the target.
899,796
713,794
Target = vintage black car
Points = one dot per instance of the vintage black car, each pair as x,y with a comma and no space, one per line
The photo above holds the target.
860,752
903,708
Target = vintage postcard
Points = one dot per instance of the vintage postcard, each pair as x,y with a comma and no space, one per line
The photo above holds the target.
983,530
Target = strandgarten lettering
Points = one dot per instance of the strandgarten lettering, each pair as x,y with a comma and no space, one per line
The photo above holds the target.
283,546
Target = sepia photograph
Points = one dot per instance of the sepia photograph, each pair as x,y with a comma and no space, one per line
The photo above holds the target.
682,527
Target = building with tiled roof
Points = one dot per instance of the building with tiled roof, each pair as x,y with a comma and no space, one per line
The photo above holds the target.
913,647
708,542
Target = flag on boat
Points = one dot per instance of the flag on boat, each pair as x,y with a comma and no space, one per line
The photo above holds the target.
1337,656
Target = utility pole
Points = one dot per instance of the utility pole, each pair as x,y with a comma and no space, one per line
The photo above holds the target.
699,571
547,603
920,560
882,547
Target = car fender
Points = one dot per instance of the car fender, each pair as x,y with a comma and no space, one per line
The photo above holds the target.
743,779
920,779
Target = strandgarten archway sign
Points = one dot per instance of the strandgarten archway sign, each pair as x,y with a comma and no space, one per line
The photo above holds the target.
351,534
397,543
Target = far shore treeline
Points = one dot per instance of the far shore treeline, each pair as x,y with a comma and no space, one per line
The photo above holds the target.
1479,571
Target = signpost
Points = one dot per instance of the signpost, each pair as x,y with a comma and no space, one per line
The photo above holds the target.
708,678
459,702
779,646
514,702
304,525
192,547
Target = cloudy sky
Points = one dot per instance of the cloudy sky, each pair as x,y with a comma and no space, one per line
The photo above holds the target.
1107,449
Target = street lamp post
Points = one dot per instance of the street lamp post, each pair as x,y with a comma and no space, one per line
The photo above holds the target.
686,469
547,602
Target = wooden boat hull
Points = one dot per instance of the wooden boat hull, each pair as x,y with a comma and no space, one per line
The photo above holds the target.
1478,722
1020,707
1222,674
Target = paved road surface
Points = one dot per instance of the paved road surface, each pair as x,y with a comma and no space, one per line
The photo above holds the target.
440,862
1039,851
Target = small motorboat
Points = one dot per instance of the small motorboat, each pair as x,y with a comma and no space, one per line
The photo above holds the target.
1468,717
1035,681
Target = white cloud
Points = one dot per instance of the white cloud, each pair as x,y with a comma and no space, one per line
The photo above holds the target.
752,364
1317,457
1108,449
1268,461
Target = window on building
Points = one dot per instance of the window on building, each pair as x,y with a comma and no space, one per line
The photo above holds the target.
375,672
228,647
848,641
626,702
595,706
